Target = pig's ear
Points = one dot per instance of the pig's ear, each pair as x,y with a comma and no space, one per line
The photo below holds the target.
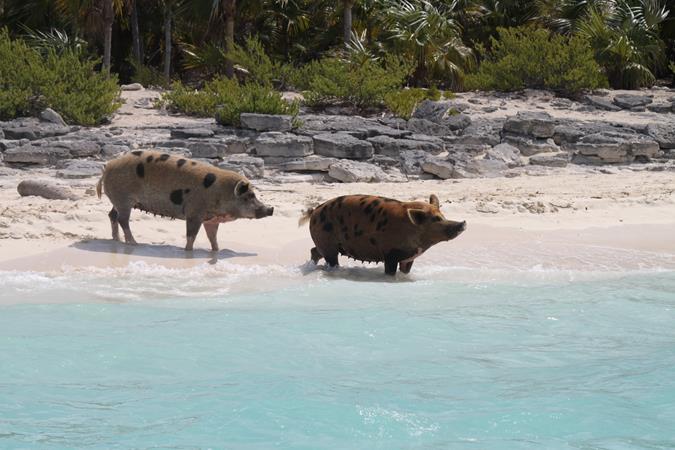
417,216
434,201
241,188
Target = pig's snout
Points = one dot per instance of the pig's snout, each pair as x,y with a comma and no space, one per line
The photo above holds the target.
264,212
456,229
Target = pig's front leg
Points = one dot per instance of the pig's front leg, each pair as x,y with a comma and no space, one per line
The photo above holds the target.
193,225
212,233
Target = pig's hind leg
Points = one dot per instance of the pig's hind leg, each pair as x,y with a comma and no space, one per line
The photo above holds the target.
212,233
123,215
114,224
315,255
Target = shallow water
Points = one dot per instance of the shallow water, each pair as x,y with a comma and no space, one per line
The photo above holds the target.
147,357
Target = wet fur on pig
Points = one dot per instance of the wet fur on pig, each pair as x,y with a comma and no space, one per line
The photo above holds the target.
179,188
376,229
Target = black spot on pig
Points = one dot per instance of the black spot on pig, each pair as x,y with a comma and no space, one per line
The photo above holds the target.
328,227
176,197
180,162
140,170
209,179
137,153
163,157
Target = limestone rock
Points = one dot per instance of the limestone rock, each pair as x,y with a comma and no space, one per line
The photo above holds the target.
388,146
48,189
528,123
341,145
246,165
442,169
132,87
29,154
602,103
560,159
51,116
309,164
424,126
356,171
505,153
112,150
184,133
663,133
529,146
21,133
277,144
630,101
77,168
266,122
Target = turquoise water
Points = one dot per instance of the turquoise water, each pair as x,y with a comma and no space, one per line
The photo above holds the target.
337,361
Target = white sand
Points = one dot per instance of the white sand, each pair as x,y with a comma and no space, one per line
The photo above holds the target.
564,219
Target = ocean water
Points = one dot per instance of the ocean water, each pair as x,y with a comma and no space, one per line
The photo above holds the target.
248,357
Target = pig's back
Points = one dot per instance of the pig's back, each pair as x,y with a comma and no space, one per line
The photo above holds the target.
363,227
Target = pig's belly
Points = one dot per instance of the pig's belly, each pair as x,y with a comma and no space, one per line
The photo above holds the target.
163,208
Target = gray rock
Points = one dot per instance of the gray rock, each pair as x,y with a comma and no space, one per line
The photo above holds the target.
457,121
2,134
629,101
614,147
132,87
438,111
326,123
562,103
80,149
21,133
184,133
531,146
246,165
661,108
341,145
356,171
560,159
277,144
412,160
568,133
309,164
383,130
266,122
51,116
207,149
663,133
440,168
112,150
528,123
602,103
48,189
29,154
385,145
385,161
479,133
472,168
427,127
77,168
505,153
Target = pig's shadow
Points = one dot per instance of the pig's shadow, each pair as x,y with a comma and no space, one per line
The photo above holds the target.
155,251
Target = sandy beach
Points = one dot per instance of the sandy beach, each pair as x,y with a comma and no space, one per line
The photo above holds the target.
566,219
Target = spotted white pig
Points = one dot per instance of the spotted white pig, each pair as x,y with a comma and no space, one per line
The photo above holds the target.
180,188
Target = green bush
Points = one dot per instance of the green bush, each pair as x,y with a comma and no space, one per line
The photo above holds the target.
226,99
21,67
528,57
334,81
147,76
77,91
65,82
261,69
402,103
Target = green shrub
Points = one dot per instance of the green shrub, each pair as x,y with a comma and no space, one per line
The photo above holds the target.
64,81
251,98
261,69
21,67
77,91
146,75
527,57
334,81
402,103
226,99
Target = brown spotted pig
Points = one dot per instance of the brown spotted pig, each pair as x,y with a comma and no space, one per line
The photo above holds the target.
176,187
375,229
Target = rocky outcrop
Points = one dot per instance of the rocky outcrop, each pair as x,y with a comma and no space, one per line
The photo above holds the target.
388,146
246,165
355,171
78,168
266,122
534,124
277,144
342,145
